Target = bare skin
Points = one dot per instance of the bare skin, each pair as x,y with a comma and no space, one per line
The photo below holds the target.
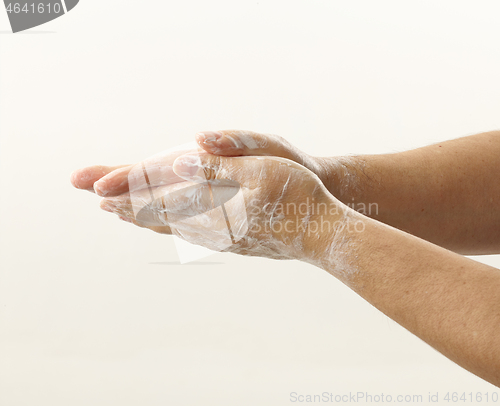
444,193
449,301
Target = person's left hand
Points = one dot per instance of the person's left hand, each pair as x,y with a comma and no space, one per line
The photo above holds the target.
269,205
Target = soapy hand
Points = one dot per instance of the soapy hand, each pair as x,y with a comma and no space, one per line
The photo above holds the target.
257,196
247,205
256,205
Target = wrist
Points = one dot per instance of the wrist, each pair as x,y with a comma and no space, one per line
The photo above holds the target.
343,176
330,231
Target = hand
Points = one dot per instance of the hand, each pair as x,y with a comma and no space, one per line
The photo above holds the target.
275,216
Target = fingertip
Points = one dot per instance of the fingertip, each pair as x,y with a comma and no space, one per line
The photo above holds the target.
209,141
85,178
73,178
106,205
232,143
100,189
208,136
79,179
92,177
200,138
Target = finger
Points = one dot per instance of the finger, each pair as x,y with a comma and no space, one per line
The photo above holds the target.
156,229
174,203
123,207
156,207
188,208
86,177
152,172
114,183
240,142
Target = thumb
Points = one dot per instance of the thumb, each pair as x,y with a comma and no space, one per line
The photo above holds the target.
201,168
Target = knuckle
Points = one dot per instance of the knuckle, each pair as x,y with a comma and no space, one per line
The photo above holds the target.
212,167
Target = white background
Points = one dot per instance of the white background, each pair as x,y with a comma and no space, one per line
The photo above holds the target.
95,311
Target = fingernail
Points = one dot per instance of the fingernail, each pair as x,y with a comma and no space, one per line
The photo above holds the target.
189,167
125,219
208,137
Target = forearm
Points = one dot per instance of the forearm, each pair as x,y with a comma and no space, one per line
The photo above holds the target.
446,193
449,301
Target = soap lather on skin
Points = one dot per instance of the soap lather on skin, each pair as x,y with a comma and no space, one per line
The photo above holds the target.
238,140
